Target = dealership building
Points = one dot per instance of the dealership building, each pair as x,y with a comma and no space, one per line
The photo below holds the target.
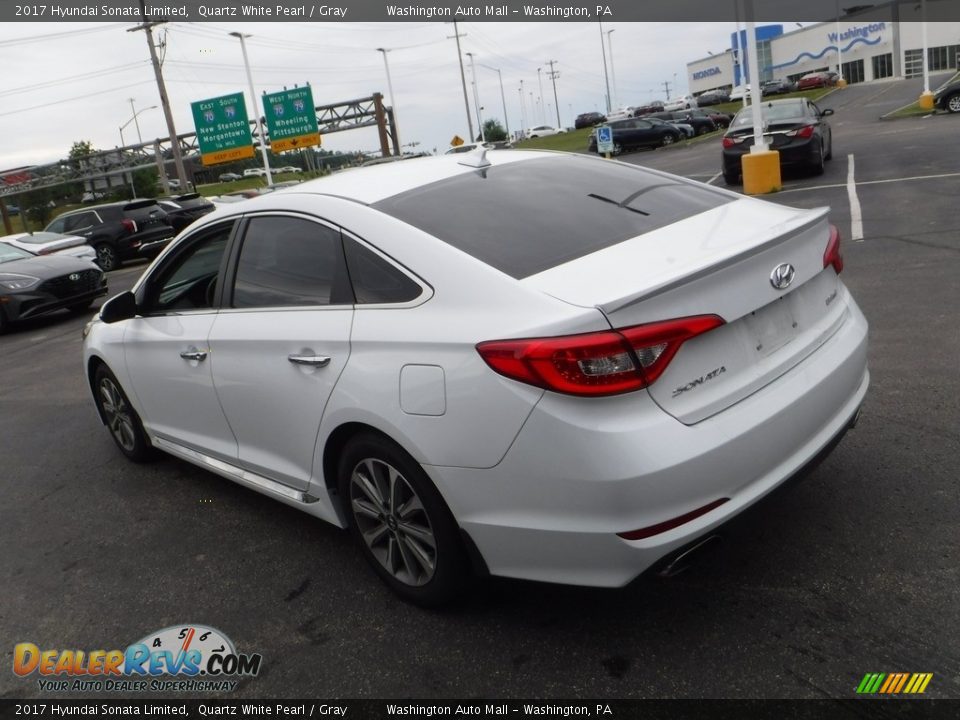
877,43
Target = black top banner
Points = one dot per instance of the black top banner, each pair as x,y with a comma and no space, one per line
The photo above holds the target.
300,709
496,11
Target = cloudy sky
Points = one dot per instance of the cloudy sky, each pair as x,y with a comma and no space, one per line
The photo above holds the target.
63,82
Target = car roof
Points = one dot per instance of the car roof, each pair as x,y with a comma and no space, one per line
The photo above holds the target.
368,185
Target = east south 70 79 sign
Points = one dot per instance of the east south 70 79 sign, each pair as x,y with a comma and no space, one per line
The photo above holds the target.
223,131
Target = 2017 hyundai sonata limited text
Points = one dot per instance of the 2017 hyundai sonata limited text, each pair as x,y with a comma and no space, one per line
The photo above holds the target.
532,364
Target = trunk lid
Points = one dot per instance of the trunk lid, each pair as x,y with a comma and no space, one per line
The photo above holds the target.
718,262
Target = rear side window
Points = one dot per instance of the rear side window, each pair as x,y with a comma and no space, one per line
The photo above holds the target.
288,262
526,217
374,279
80,220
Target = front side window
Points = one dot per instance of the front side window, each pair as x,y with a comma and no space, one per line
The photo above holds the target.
289,262
189,280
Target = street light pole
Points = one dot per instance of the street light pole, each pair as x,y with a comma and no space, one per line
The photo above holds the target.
503,98
393,104
133,191
256,110
606,77
476,97
543,115
613,73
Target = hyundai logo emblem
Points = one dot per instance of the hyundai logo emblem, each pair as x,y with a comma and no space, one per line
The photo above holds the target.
74,276
782,276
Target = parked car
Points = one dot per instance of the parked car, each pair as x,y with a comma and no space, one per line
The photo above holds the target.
543,131
700,123
622,113
635,133
91,196
947,97
599,404
229,177
588,119
13,210
713,97
720,119
687,130
776,87
797,131
118,231
47,243
683,102
289,169
182,210
739,92
254,172
655,106
31,285
817,80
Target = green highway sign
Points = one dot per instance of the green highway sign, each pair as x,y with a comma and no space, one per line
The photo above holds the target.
223,130
291,120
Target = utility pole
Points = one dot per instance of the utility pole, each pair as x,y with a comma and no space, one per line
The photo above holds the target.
553,75
463,78
666,88
613,72
147,27
503,98
523,112
393,104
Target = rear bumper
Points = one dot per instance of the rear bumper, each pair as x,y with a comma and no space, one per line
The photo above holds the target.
803,153
581,472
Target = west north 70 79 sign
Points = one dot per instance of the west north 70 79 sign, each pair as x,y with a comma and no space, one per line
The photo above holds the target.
291,119
223,130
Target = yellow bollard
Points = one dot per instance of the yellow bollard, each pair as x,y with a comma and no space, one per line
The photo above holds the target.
926,100
841,83
761,172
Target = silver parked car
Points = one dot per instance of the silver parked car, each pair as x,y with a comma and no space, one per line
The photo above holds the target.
538,365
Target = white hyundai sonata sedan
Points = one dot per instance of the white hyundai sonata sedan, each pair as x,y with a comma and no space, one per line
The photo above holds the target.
535,365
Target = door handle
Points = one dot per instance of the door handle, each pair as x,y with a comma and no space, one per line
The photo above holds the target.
311,360
194,354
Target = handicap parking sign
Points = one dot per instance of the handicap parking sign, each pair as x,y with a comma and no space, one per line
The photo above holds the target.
604,139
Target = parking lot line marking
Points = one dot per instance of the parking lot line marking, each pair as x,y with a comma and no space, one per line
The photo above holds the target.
871,182
856,217
710,181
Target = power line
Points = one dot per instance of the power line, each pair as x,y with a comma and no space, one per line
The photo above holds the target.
55,36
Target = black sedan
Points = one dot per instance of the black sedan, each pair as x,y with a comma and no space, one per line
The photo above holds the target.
713,97
633,133
588,119
184,209
32,285
794,128
776,87
948,97
699,120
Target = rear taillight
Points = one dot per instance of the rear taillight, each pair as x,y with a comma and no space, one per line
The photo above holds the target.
803,132
730,141
129,225
832,255
601,363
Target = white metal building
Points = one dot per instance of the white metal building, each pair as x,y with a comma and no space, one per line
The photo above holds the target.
874,44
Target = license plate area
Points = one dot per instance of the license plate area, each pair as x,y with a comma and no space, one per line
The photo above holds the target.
771,327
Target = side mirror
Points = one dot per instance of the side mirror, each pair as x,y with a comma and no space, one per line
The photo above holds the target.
826,112
120,307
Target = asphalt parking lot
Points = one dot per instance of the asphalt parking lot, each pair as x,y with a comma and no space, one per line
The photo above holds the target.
854,570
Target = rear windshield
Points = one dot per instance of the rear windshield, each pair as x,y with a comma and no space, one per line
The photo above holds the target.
526,217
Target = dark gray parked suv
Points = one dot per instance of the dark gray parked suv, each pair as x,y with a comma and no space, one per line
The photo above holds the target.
118,231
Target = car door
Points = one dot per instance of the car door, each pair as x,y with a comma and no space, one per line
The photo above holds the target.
281,341
166,348
81,224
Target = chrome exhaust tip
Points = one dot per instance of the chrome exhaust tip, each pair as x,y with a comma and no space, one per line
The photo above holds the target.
684,558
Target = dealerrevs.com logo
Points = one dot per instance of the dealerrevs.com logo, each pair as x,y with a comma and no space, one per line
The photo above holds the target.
181,658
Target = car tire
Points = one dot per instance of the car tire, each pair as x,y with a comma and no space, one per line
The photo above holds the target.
667,139
829,155
731,178
952,103
617,149
119,416
818,162
396,515
4,323
106,256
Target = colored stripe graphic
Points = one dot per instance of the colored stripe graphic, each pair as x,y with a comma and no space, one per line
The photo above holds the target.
894,683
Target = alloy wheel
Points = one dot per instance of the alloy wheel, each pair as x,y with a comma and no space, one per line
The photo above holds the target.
119,418
953,104
393,522
106,258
